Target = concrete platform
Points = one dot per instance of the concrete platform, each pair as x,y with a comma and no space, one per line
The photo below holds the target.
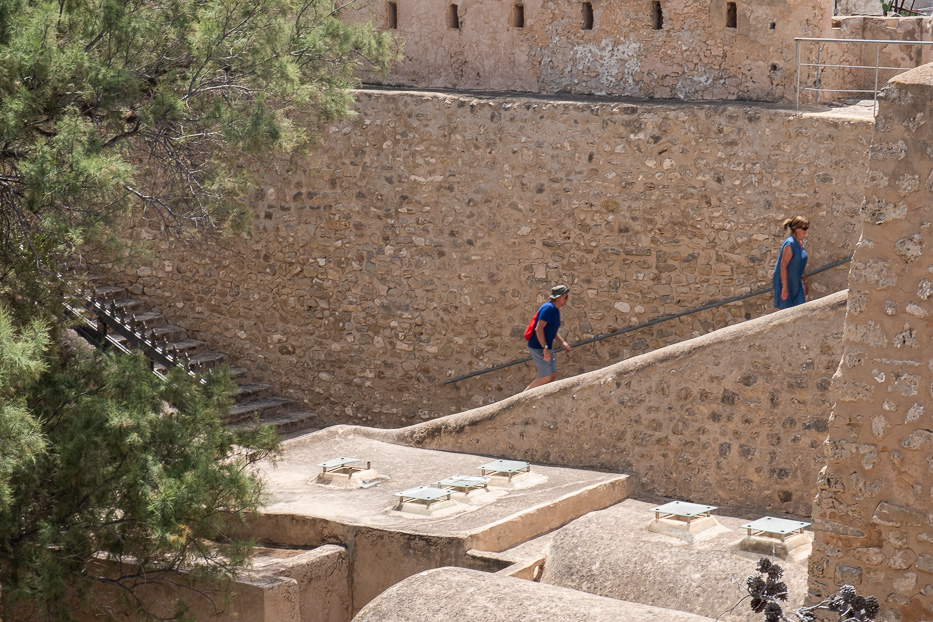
387,545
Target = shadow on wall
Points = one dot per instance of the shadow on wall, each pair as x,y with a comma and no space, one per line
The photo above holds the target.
736,417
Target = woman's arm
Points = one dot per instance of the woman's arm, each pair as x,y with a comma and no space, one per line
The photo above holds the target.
786,256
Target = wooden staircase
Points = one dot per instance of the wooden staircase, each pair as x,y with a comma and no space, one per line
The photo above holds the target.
109,317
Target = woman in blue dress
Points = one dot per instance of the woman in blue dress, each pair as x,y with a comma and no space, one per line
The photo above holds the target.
790,285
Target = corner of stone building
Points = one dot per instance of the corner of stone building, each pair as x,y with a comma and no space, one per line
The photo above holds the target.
873,513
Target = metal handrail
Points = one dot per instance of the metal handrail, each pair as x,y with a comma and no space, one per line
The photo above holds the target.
817,88
665,318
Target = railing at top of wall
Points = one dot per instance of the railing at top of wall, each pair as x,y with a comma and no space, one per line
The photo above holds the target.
820,66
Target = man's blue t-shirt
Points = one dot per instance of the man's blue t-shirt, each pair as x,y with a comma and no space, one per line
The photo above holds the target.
550,314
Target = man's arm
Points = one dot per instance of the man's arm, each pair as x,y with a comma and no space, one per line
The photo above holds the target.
564,343
539,333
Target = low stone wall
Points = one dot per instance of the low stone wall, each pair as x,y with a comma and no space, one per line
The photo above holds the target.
734,418
416,242
873,518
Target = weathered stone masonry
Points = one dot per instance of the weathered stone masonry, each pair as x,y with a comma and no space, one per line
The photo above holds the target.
414,244
873,516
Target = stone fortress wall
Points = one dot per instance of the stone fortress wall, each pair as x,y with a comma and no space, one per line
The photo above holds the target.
683,49
416,242
873,517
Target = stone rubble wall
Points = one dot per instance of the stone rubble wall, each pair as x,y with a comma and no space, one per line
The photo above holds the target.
414,245
873,517
695,54
734,418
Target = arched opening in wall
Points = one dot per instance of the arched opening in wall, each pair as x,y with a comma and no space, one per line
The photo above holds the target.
587,16
731,15
391,15
453,17
517,20
657,18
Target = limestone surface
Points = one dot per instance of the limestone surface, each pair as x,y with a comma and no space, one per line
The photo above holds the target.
455,593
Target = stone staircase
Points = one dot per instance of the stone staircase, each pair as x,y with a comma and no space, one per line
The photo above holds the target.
110,317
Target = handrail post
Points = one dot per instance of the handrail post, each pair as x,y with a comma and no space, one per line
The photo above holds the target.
877,65
797,80
817,85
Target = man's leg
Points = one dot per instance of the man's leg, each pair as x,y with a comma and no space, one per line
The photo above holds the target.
542,380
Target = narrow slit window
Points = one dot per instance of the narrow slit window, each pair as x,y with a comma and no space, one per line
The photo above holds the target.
392,15
587,16
518,16
453,17
731,17
657,18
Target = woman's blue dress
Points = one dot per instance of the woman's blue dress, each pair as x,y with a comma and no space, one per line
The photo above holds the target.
798,263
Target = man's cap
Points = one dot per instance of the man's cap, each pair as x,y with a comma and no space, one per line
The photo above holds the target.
559,290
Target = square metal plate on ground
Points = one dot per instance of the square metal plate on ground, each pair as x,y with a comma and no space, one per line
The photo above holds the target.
424,494
773,526
348,464
463,483
682,509
505,467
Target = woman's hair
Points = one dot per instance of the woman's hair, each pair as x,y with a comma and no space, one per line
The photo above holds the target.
797,222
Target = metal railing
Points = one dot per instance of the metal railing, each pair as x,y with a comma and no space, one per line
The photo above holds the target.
658,320
821,66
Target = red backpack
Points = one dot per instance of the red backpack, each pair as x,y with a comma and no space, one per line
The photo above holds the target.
531,327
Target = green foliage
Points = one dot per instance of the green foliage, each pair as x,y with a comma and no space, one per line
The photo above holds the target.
102,461
164,105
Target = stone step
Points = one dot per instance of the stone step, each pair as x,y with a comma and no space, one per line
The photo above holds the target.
107,292
148,317
167,332
185,345
128,304
286,423
263,407
206,361
251,389
238,372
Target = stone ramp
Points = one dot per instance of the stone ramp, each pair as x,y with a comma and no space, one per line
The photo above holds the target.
459,594
736,417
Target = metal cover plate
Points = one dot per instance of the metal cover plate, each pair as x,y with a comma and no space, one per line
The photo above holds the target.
771,524
423,493
506,466
463,481
338,462
682,508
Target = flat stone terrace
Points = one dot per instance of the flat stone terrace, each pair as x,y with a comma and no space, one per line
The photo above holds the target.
297,492
388,542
